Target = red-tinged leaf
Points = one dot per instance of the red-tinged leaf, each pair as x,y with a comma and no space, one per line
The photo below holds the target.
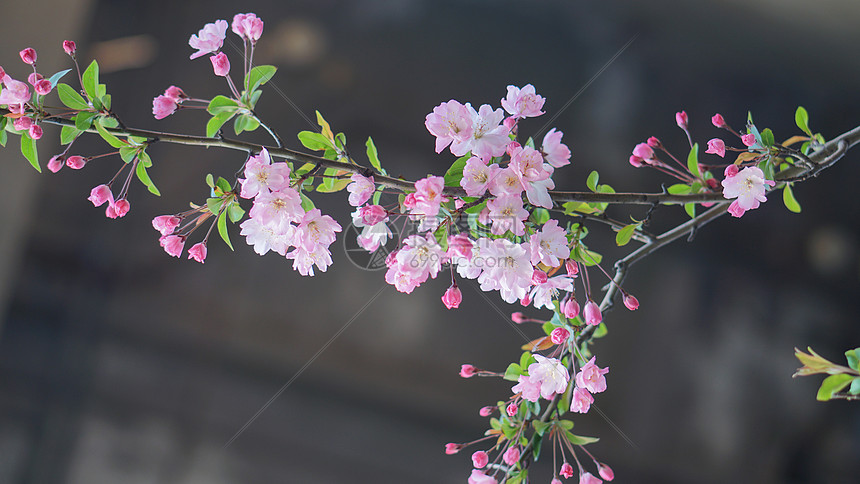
539,344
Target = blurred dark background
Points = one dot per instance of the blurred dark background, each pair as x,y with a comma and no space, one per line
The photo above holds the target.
121,364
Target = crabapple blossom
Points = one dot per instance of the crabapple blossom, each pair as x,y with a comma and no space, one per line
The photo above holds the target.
372,214
163,106
507,213
507,269
15,92
28,55
477,176
56,163
630,302
549,374
572,267
69,46
172,244
247,26
209,39
543,294
653,142
554,151
570,308
374,236
176,94
549,245
460,245
452,297
468,371
592,313
581,400
512,455
35,131
76,162
220,64
642,150
451,448
314,234
100,194
197,252
591,377
555,480
559,335
276,237
605,471
43,87
34,77
480,459
271,207
588,478
566,470
360,189
748,186
419,259
486,411
539,277
479,477
636,161
523,103
681,119
166,224
527,386
748,139
717,147
489,138
451,124
518,317
262,176
22,124
117,209
512,409
718,121
506,182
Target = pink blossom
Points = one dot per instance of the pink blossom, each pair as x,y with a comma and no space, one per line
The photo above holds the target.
748,139
28,55
587,478
592,313
518,317
529,388
360,190
220,64
22,124
653,142
459,245
34,77
545,292
247,26
163,106
554,151
209,39
716,146
276,237
512,409
43,87
528,164
549,245
100,194
451,448
372,214
555,480
642,150
373,236
478,477
681,119
480,459
477,176
468,371
314,234
197,252
605,471
630,302
69,46
56,163
488,138
523,103
507,213
553,376
537,191
452,297
76,162
572,267
748,186
35,131
570,308
512,455
591,377
566,470
419,259
539,277
451,124
636,161
718,121
581,400
261,176
120,208
506,182
559,335
486,411
16,92
176,94
166,224
506,269
428,196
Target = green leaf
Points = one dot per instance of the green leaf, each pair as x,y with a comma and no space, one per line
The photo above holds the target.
222,104
455,172
540,427
441,234
143,176
579,439
690,208
235,212
526,359
68,134
789,200
600,331
28,149
3,138
210,180
70,98
56,77
90,80
540,216
801,118
513,372
259,76
307,203
109,137
214,124
832,385
565,424
767,137
679,189
314,141
84,119
853,357
144,158
625,234
222,229
588,257
106,101
693,160
214,204
223,184
128,153
373,155
591,182
855,386
241,123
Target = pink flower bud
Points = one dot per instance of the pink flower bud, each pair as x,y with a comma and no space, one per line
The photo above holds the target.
43,87
486,411
539,277
566,470
452,297
570,308
511,456
468,371
22,124
748,139
592,313
70,47
510,122
34,77
166,224
526,300
712,183
460,245
631,302
559,336
175,94
484,217
572,267
35,131
28,55
642,150
731,171
555,480
163,106
100,194
653,142
511,147
56,163
587,478
220,64
172,244
197,252
76,162
681,119
512,409
604,470
636,161
717,147
718,121
452,448
518,317
372,214
480,459
409,201
121,207
2,74
248,26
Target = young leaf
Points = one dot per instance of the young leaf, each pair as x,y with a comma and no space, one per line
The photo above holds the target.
373,155
70,98
579,439
109,137
214,204
84,119
214,124
591,182
210,180
326,129
540,216
235,212
693,160
679,189
307,204
690,208
68,134
56,77
144,178
513,372
789,200
832,385
260,75
455,172
90,80
222,229
127,153
801,118
3,138
767,137
222,104
28,149
314,141
625,234
853,357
